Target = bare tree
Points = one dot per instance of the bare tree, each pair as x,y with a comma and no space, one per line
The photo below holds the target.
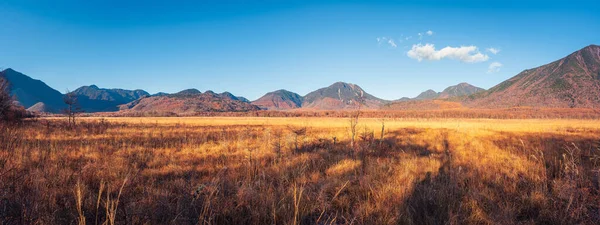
298,133
354,121
73,108
367,138
8,110
5,99
277,146
382,132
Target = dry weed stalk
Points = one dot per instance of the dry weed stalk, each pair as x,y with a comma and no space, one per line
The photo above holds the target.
297,192
111,205
78,200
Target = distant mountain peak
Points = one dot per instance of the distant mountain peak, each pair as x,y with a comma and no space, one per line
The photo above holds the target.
160,94
94,99
341,95
280,99
229,95
428,94
341,83
279,91
461,89
29,91
458,90
8,70
190,91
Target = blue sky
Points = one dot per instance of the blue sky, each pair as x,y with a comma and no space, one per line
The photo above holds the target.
250,48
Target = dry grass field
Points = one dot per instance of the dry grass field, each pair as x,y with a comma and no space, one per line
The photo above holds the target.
250,170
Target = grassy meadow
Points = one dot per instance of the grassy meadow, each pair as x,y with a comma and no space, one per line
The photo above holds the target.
253,170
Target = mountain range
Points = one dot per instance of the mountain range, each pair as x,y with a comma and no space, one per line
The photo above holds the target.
431,100
337,96
462,89
94,99
573,81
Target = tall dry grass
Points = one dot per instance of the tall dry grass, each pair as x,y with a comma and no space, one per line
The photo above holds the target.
299,171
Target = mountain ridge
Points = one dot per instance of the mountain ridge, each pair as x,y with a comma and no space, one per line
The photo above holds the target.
29,92
188,102
94,99
458,90
569,82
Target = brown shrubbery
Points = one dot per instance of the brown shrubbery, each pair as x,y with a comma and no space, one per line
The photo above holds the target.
124,173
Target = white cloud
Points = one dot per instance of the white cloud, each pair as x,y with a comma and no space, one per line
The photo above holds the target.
392,43
421,35
494,67
493,50
468,54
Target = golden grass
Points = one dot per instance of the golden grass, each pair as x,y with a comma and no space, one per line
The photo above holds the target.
514,125
249,170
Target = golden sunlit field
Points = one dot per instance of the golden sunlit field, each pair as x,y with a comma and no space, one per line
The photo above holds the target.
250,170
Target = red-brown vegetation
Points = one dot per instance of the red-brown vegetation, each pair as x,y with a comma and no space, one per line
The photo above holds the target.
132,171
